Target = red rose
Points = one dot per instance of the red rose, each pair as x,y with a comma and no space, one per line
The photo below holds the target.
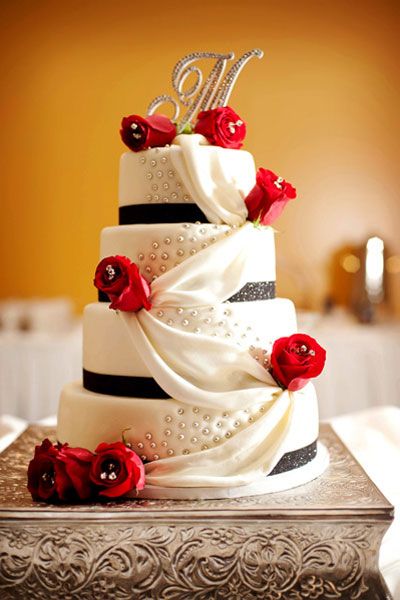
116,470
58,472
295,360
112,275
77,463
139,133
266,201
222,127
121,280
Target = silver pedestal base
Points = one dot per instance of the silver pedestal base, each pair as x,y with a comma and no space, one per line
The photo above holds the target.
317,541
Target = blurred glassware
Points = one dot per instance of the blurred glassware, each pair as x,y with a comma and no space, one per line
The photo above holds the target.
369,292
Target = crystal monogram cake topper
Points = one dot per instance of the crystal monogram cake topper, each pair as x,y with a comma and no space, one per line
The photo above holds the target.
214,92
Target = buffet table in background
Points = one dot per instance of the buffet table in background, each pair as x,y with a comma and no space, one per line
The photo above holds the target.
33,368
362,364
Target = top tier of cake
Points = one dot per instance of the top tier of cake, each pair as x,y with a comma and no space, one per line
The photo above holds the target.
211,181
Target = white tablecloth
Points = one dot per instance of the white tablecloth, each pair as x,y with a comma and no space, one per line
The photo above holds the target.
374,438
33,368
362,365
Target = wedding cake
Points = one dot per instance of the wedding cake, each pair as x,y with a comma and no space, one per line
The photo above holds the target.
188,354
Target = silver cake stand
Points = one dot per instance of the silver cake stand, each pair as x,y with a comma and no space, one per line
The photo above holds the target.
318,541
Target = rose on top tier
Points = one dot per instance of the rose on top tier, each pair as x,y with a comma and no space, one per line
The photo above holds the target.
139,133
222,127
266,201
121,280
59,472
296,359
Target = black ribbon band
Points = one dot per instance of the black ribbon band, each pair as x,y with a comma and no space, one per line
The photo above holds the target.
160,213
254,290
123,385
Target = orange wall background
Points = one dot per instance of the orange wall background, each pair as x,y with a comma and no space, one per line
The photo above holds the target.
322,109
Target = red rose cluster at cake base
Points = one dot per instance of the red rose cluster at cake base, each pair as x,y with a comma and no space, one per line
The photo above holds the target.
58,473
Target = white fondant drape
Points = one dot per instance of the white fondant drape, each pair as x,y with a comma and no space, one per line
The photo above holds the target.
210,372
207,179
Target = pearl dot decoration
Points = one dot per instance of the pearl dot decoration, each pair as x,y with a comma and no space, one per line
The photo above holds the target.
210,429
177,241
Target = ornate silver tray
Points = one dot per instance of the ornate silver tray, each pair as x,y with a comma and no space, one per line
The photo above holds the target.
318,541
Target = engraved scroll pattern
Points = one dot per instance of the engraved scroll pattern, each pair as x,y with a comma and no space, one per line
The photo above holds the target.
316,561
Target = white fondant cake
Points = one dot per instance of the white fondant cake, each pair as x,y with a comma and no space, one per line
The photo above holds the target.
188,380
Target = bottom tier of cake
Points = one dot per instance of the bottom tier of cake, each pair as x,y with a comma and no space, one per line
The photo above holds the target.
187,446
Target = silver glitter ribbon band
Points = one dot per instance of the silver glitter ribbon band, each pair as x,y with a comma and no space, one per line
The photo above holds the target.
254,290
